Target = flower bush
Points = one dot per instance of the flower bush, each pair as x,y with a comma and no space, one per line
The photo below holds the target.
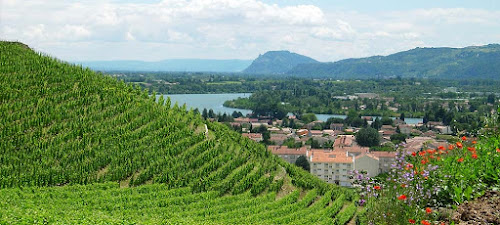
421,183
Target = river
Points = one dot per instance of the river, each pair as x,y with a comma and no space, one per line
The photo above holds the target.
216,101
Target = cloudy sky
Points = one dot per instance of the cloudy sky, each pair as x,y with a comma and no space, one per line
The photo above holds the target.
327,30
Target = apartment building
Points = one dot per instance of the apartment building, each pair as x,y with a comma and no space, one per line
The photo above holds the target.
332,167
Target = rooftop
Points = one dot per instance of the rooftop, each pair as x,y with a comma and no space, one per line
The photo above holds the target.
283,150
327,156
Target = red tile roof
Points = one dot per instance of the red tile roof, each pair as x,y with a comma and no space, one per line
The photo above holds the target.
283,150
382,154
326,156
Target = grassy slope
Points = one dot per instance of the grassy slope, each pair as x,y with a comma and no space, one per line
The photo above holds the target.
63,125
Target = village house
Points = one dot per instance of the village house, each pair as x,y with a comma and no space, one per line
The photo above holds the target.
329,132
337,126
254,136
315,133
417,143
257,125
444,129
302,132
288,154
348,143
274,130
405,129
286,130
242,120
278,139
387,130
386,159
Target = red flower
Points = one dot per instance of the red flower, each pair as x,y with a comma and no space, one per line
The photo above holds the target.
450,147
402,197
425,222
422,153
460,160
498,150
412,221
459,145
441,148
471,149
415,154
403,185
474,142
428,210
464,138
423,162
474,156
376,187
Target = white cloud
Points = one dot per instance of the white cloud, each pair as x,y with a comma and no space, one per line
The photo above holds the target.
342,31
233,29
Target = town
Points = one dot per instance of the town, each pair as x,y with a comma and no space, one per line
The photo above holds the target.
333,154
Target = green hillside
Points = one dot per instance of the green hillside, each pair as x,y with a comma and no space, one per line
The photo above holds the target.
79,147
482,62
277,62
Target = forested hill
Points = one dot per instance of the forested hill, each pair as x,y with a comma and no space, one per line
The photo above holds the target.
77,147
481,62
277,62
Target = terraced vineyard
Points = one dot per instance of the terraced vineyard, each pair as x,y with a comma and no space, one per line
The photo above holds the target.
79,147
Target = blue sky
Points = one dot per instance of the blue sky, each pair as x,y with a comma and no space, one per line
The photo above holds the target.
242,29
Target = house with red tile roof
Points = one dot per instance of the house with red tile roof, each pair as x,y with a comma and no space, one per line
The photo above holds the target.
288,154
254,136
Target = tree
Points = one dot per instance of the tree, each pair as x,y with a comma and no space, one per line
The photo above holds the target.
237,114
308,117
387,121
491,98
368,137
313,143
204,113
303,163
377,124
211,113
398,138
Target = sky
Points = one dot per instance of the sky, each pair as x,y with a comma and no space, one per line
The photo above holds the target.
326,30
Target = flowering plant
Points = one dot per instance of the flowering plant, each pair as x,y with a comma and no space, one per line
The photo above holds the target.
422,183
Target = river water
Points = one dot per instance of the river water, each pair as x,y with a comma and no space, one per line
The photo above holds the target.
216,101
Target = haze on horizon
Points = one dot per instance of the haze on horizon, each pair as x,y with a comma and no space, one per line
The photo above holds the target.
242,29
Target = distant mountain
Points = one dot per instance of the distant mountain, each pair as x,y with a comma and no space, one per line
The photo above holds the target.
183,65
481,62
277,62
